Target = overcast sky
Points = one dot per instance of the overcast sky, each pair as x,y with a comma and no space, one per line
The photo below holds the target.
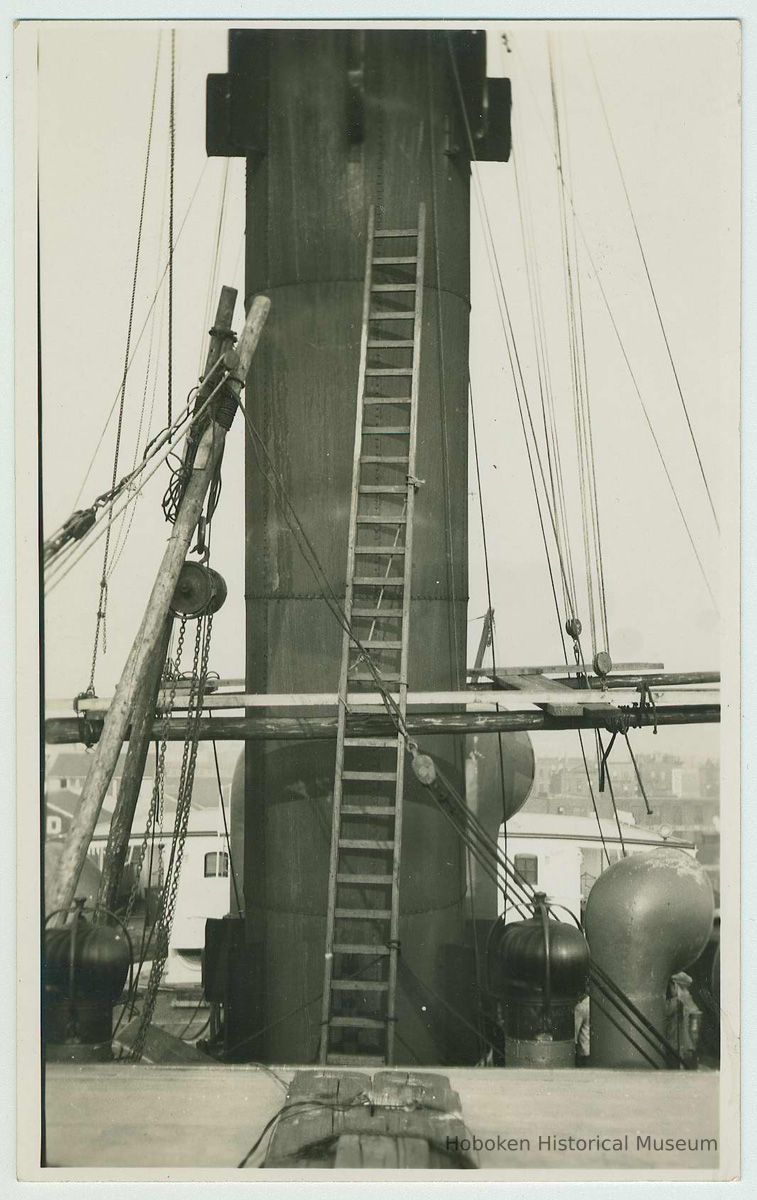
671,92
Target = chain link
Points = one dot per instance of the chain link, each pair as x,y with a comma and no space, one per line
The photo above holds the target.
155,812
165,918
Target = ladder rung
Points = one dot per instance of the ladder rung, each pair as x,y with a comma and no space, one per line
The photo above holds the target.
372,742
357,914
386,400
367,807
377,880
391,344
359,948
378,581
355,1060
394,613
388,370
365,844
400,520
359,985
368,810
357,1023
390,489
384,458
379,775
385,430
368,710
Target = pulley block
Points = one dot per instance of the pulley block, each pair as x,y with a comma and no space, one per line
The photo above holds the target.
199,591
602,663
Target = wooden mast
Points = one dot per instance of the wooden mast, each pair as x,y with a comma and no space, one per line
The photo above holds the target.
143,719
145,645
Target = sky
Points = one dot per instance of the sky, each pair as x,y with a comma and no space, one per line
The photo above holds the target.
671,94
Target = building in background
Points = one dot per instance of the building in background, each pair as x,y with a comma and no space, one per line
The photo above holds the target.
564,855
684,796
205,880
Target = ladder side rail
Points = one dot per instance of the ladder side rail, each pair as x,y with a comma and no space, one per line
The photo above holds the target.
342,713
405,634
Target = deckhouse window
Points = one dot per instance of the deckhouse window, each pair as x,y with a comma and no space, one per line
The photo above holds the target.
216,863
527,866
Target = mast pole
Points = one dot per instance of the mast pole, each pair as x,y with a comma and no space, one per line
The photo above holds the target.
145,645
122,821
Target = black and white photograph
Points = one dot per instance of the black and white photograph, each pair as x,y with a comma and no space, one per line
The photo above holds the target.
378,393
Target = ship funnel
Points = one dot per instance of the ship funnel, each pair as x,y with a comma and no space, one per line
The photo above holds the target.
647,917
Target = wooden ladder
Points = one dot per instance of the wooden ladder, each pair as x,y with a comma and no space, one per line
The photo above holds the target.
362,923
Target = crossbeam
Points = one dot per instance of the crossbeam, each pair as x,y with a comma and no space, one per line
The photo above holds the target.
471,697
581,668
68,731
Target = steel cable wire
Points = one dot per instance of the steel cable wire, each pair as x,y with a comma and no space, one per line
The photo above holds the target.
632,374
138,340
189,422
103,597
652,289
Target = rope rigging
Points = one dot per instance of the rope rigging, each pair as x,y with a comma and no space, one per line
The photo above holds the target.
580,384
652,289
554,494
521,393
621,344
158,449
232,872
138,340
492,628
544,377
497,864
171,173
153,346
100,626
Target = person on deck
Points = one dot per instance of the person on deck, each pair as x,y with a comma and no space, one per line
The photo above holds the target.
683,1018
583,1034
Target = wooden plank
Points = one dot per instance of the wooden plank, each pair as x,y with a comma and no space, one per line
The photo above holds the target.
565,704
534,694
565,708
566,669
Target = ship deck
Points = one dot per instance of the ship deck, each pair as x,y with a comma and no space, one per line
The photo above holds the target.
204,1119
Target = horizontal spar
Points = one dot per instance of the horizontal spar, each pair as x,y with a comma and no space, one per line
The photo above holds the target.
67,730
97,707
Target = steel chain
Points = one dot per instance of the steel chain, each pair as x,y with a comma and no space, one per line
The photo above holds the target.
184,799
156,800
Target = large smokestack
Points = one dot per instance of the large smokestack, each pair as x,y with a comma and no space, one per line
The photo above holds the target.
332,122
